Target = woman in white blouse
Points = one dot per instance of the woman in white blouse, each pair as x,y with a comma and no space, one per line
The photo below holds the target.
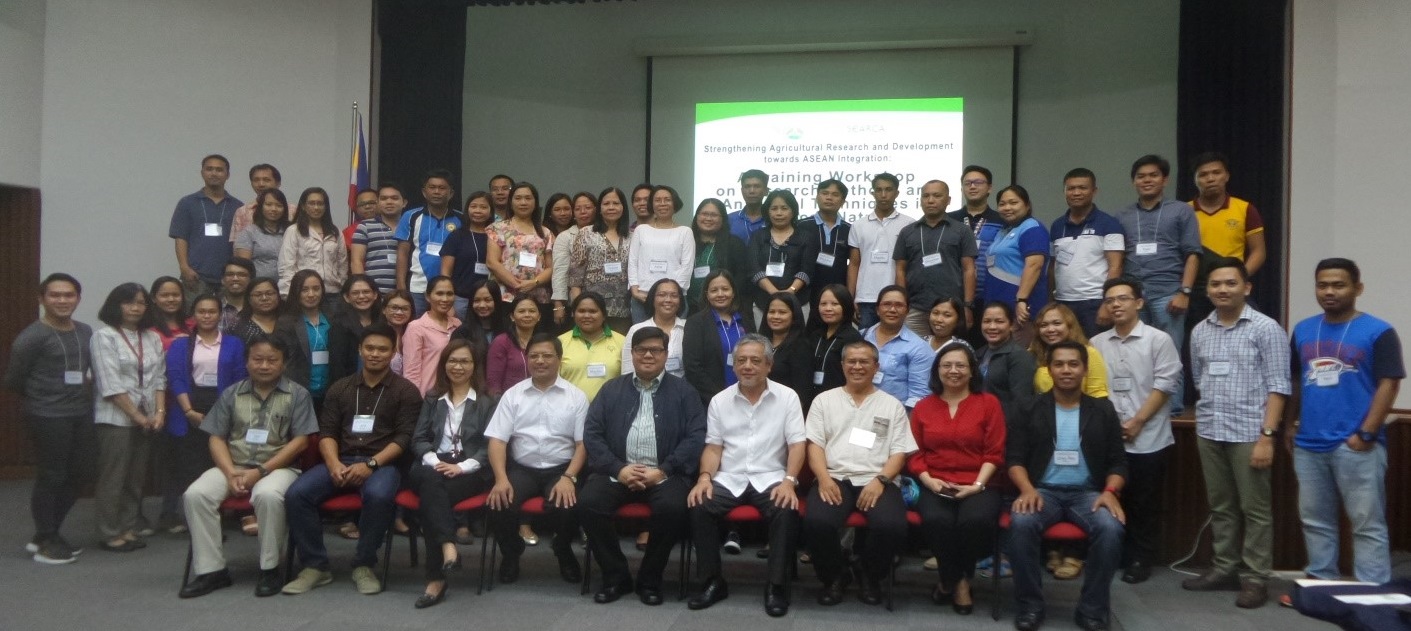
659,249
129,381
666,298
313,242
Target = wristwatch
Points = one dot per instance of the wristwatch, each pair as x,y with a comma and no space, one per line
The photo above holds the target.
883,479
1185,291
1264,431
372,464
1367,437
571,478
263,471
792,479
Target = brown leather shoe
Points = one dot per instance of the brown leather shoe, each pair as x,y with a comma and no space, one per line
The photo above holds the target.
1253,594
1211,581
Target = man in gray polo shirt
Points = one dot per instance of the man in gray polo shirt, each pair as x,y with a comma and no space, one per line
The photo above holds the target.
935,258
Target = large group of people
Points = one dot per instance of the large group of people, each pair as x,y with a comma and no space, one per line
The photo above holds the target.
572,351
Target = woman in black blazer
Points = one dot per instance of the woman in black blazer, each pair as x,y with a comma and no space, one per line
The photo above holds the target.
452,461
1008,367
716,249
830,328
781,257
702,348
793,354
332,344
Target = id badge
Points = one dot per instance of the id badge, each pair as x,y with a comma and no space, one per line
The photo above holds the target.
730,359
362,423
482,269
434,249
1064,256
597,371
213,230
1065,458
1219,368
392,258
1146,249
877,378
1328,379
319,358
207,380
657,266
673,364
528,259
881,257
256,436
613,267
826,260
774,269
73,377
931,260
1121,384
862,438
701,272
817,377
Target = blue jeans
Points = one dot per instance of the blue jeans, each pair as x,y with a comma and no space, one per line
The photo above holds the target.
866,315
1358,480
1105,535
1086,311
418,304
1155,314
315,486
639,310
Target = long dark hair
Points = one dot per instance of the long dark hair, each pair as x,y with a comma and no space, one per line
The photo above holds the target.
601,225
724,218
548,211
796,323
534,216
259,218
347,307
477,376
160,322
301,217
844,298
291,302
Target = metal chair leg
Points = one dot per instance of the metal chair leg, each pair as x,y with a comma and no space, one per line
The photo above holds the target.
994,578
485,542
891,585
186,570
587,567
387,556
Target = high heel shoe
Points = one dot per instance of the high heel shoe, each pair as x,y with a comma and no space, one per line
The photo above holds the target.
964,609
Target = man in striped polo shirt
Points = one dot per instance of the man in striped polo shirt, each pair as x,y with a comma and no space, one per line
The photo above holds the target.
374,248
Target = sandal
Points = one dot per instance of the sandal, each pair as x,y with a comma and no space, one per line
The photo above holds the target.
1069,568
642,539
249,525
931,563
349,530
1055,559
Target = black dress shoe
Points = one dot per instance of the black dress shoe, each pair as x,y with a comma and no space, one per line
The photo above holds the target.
205,584
776,600
869,589
1137,572
650,596
610,593
427,600
509,569
270,583
715,591
832,593
1028,621
453,564
1089,624
569,568
963,610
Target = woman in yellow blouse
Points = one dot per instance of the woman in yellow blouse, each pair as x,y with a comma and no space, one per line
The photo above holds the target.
592,352
1056,323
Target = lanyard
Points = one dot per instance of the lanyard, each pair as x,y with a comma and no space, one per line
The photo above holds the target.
317,340
206,216
710,251
78,347
1319,339
938,239
732,326
453,428
823,360
358,400
1155,233
141,369
825,236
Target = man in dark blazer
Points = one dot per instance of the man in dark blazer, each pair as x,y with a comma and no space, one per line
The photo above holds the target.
1067,460
644,435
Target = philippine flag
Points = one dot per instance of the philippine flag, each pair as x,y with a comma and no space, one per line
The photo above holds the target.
358,175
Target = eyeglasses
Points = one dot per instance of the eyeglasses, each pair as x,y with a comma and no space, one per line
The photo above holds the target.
891,305
975,182
949,366
460,362
649,351
1123,299
398,309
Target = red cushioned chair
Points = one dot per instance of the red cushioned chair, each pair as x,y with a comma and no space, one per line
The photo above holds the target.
1061,532
637,511
409,501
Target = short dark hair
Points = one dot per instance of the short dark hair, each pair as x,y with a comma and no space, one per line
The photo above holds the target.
975,168
788,197
644,186
1340,263
59,277
438,174
676,202
894,288
111,311
1207,157
1230,262
656,287
1080,172
649,333
378,328
191,310
546,338
265,167
885,177
242,263
1132,283
216,156
365,189
754,174
1003,306
499,176
977,380
392,185
834,182
275,342
1018,190
258,217
597,299
1070,345
1152,159
432,282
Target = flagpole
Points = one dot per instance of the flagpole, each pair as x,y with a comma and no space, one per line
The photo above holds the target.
352,155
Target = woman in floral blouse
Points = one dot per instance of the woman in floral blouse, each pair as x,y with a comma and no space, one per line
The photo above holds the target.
520,253
599,261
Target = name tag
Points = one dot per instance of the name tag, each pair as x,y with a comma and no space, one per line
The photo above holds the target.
1121,384
1328,379
673,363
597,371
434,249
729,359
774,269
392,258
817,377
319,358
73,378
1064,256
213,230
528,259
657,266
881,257
1065,458
701,272
362,423
256,436
207,380
826,259
482,269
614,267
931,260
1146,249
877,378
862,438
1219,368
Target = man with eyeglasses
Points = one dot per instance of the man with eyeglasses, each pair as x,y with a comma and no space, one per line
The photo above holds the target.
234,284
364,208
536,450
754,451
644,435
1143,373
985,223
872,241
374,247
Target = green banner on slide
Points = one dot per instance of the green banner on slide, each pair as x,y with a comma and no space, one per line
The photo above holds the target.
707,112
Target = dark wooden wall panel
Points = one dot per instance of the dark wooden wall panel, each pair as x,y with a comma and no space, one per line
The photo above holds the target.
19,257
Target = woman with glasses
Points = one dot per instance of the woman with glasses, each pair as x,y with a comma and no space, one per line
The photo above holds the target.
903,358
666,300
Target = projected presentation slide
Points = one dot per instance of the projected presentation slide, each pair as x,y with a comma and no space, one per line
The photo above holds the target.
801,143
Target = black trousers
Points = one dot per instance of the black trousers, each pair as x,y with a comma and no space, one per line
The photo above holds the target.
65,451
959,532
439,494
530,483
601,498
886,526
783,531
1141,500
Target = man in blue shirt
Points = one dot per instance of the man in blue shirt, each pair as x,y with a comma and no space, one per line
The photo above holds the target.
1087,250
1347,370
200,225
421,232
754,183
